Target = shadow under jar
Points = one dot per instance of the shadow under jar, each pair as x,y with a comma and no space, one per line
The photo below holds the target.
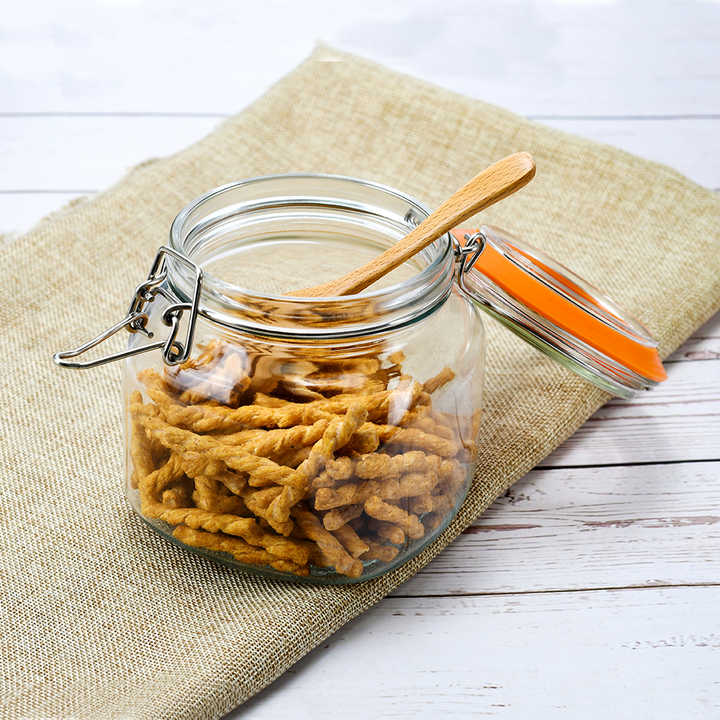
331,439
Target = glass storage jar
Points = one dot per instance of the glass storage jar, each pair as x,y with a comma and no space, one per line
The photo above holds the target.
330,439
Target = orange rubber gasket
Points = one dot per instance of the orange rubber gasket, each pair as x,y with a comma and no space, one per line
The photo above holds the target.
551,305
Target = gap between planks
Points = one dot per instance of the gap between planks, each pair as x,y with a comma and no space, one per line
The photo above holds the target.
555,591
642,463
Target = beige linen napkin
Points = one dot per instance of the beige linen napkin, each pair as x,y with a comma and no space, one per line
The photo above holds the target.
102,618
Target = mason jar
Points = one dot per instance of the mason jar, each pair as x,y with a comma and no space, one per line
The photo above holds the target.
331,439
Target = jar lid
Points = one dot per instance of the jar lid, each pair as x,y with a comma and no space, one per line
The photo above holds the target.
558,312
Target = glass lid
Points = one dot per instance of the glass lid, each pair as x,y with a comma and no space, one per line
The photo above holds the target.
558,312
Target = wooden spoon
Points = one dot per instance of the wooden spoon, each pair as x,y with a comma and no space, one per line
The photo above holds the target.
498,181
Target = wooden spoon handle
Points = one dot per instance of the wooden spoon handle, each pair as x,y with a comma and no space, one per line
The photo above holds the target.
495,183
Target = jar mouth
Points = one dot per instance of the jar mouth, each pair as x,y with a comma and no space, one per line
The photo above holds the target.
256,223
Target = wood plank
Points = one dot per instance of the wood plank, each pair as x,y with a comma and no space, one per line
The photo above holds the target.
575,529
678,420
680,144
703,345
89,153
78,155
19,211
621,654
649,435
693,388
567,58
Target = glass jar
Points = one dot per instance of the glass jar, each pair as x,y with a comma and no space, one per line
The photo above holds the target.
329,439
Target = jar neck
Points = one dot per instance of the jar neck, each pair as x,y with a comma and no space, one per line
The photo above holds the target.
249,215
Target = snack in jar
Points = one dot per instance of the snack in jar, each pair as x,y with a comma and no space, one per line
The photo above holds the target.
331,439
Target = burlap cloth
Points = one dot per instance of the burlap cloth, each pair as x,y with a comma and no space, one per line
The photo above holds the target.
102,618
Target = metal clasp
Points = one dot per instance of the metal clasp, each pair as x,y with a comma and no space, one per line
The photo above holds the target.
468,253
174,352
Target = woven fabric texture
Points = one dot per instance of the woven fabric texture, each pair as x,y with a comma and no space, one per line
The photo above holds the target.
102,618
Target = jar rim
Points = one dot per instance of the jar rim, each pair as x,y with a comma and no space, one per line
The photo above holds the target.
368,312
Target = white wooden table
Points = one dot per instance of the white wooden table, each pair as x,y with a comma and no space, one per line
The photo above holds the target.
593,588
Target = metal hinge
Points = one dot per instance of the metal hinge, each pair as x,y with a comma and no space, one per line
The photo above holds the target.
174,352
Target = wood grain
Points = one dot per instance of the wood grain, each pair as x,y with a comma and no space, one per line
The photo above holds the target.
678,420
588,528
623,654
